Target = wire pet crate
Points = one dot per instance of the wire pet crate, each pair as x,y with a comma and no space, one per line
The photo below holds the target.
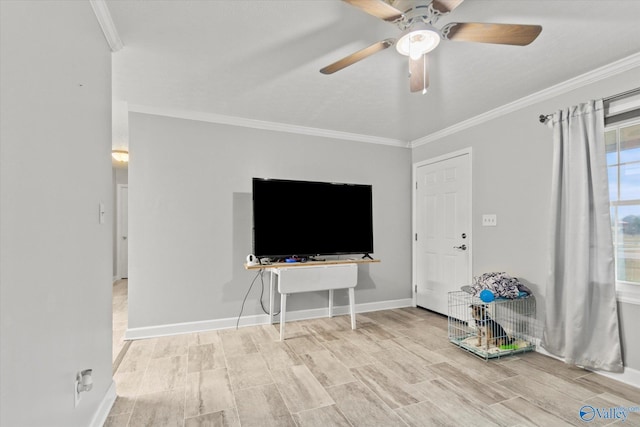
490,330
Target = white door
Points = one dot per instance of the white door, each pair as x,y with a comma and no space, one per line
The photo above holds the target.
123,231
442,229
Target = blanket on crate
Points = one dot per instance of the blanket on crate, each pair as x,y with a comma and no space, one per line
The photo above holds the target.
501,284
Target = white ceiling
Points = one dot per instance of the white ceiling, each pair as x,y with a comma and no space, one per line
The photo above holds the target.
260,60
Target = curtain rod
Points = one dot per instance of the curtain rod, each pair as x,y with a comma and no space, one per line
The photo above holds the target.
544,117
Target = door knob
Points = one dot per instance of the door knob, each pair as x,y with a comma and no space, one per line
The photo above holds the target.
463,247
125,238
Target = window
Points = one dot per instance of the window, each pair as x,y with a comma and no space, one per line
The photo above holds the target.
623,163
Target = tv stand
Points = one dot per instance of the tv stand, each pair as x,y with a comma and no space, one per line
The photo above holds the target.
312,276
367,256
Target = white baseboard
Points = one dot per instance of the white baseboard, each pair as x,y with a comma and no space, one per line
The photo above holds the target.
106,404
259,319
382,305
189,327
630,376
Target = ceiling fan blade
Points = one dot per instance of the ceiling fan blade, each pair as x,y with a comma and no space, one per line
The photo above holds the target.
419,74
513,34
445,6
358,56
377,8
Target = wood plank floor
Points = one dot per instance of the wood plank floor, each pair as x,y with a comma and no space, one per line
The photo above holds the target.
396,369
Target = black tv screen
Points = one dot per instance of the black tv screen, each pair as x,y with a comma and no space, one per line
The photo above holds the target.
306,218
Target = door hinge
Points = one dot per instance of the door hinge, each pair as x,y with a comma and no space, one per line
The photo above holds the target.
415,288
416,185
416,237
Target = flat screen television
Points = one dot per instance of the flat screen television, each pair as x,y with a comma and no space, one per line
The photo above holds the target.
307,218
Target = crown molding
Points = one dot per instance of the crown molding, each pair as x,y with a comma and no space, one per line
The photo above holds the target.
585,79
264,125
106,23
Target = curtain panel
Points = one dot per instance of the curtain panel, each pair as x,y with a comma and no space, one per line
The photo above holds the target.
581,320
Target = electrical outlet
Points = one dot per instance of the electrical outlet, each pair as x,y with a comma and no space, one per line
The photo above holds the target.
489,220
83,382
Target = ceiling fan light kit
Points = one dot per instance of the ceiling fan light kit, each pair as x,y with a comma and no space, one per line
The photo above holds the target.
418,40
419,36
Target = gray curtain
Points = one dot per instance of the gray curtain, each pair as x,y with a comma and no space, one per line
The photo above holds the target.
581,323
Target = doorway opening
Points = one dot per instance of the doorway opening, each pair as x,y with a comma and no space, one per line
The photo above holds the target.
120,291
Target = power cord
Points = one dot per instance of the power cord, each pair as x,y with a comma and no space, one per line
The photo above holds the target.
260,273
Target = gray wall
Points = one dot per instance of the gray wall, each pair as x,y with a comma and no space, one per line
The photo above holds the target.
190,214
55,280
512,178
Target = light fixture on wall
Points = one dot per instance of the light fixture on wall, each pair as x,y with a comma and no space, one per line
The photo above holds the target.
120,155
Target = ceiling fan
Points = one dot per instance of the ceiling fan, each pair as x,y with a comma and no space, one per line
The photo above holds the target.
416,20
